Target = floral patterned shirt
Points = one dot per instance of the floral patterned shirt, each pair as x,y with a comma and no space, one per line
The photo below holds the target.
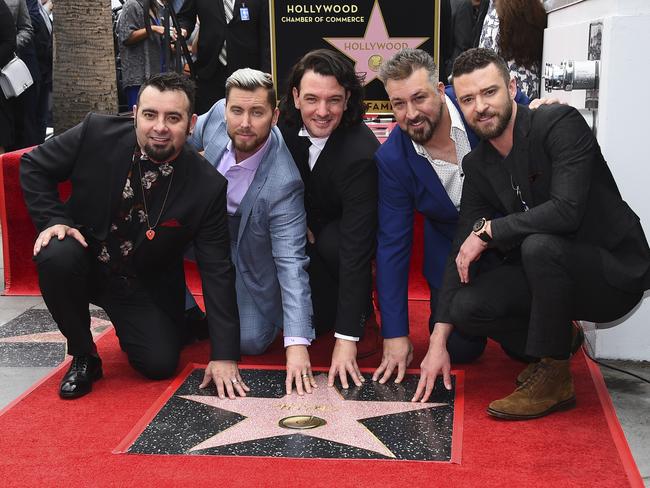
144,175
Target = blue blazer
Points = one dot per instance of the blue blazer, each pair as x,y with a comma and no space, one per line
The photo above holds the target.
408,183
270,257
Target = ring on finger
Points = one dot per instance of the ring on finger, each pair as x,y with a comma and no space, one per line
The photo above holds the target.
234,381
305,375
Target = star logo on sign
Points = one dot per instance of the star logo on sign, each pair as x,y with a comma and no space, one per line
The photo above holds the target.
375,47
341,416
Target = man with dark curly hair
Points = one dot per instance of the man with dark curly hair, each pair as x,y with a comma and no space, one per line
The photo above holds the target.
322,123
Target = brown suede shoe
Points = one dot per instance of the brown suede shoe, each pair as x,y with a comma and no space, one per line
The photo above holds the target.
547,389
577,338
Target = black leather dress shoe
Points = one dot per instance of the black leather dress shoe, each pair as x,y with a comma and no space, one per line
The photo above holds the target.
78,381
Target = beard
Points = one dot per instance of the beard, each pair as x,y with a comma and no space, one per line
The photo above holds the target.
422,134
159,154
248,146
494,131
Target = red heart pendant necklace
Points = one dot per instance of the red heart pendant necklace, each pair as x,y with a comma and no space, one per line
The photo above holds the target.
151,233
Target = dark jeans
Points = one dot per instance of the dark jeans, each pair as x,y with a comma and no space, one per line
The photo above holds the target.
528,305
70,281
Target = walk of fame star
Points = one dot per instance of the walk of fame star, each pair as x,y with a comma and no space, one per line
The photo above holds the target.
97,326
375,47
341,416
373,421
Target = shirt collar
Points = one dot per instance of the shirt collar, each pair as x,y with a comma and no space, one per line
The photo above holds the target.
252,162
456,123
319,142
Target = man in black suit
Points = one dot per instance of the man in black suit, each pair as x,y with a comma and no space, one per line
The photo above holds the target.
538,190
321,119
140,195
233,34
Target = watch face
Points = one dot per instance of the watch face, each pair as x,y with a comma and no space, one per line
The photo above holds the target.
478,225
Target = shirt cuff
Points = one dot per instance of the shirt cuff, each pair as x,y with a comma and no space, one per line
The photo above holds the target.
296,341
346,337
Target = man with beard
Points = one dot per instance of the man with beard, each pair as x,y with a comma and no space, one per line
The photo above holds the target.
538,189
139,196
420,169
268,226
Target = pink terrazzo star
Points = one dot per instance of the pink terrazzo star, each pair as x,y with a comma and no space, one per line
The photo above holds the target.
97,326
342,417
375,47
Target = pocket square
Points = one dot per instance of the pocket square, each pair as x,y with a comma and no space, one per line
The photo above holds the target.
171,223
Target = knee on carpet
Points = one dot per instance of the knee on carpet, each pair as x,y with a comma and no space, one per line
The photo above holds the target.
156,366
255,344
464,348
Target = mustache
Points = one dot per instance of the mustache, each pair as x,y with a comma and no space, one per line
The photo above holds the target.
416,120
486,113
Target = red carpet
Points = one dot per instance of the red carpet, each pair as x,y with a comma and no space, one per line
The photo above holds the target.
49,442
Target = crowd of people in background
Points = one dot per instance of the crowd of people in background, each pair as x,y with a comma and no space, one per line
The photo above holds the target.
26,32
512,28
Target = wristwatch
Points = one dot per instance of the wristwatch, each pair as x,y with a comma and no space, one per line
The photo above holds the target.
479,230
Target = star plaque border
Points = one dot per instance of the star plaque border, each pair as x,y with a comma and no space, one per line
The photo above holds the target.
369,422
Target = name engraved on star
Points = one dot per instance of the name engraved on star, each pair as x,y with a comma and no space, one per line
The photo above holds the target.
373,46
306,408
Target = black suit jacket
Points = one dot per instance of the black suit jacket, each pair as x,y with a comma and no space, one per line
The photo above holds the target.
557,163
95,156
248,41
343,186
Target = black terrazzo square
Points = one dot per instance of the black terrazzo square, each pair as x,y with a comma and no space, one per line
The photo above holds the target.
369,422
33,340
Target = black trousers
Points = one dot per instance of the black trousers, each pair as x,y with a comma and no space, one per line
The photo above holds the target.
324,278
210,90
528,305
462,348
70,281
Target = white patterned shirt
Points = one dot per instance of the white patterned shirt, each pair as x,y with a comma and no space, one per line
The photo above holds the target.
451,175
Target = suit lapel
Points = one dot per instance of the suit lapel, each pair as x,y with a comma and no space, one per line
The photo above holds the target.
262,173
498,173
120,170
518,159
161,205
324,163
426,174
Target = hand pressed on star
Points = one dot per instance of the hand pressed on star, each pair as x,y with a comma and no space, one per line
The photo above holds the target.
344,362
398,353
299,370
226,377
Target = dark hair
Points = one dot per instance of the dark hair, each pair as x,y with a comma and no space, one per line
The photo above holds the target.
405,62
325,62
521,31
250,80
171,82
478,58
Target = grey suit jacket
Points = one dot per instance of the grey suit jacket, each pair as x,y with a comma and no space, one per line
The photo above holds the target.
271,244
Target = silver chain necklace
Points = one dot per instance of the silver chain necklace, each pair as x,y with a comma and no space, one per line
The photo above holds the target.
151,233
